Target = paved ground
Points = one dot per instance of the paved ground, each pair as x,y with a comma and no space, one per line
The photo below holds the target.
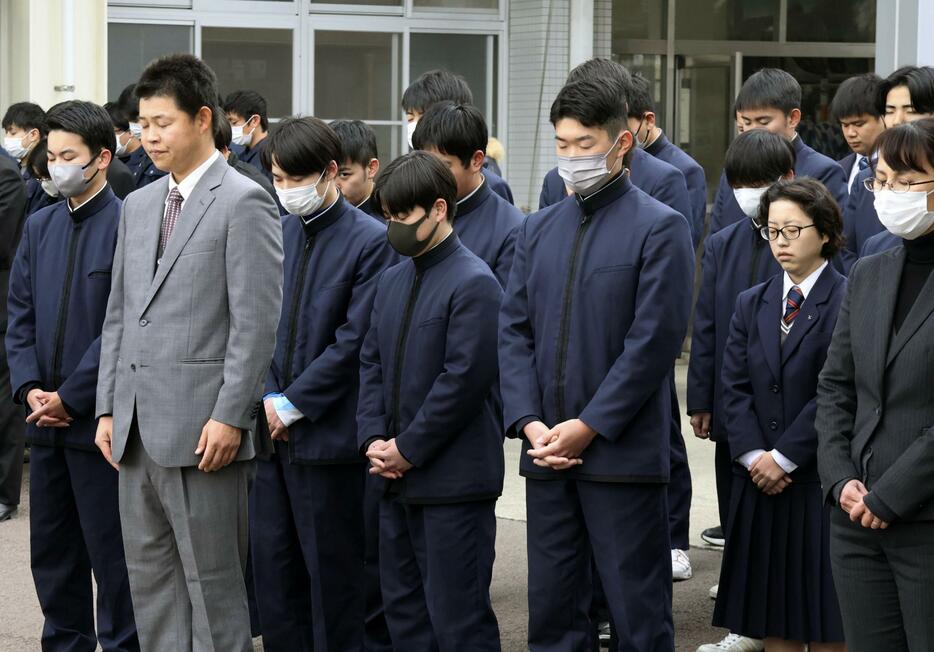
21,621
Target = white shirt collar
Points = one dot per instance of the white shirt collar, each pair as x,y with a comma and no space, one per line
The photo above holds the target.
854,171
805,286
188,183
68,203
474,191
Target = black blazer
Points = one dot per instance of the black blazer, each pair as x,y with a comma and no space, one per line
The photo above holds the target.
874,404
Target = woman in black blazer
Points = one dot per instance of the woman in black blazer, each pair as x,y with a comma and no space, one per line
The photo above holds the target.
775,581
875,413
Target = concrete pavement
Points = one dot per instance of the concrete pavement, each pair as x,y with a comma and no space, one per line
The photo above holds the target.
21,619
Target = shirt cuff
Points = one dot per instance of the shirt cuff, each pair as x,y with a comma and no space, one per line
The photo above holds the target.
746,459
787,465
288,413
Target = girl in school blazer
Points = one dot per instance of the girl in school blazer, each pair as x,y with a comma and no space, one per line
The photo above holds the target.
775,581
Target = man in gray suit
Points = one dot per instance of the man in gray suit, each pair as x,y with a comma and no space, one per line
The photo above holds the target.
188,338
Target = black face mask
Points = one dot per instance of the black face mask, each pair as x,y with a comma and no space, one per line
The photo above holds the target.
403,237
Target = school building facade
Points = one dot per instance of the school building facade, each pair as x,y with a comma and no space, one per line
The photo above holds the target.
353,58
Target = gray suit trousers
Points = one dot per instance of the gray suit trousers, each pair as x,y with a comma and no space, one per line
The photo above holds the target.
185,536
885,584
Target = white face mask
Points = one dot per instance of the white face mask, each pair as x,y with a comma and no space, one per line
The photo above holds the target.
69,178
14,147
303,200
409,130
748,200
904,214
121,147
584,173
136,129
237,135
49,187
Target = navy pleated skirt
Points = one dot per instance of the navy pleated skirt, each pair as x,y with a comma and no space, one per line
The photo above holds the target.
775,581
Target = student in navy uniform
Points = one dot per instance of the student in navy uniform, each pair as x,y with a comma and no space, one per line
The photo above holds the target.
882,241
356,176
652,175
306,516
428,419
439,86
771,99
222,136
59,288
855,109
904,96
146,171
594,315
775,579
359,165
44,193
735,259
129,150
650,137
246,111
485,222
23,127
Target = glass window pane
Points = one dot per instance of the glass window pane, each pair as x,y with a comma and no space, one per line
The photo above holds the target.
252,59
372,60
819,78
732,20
468,55
130,48
653,68
377,3
849,21
642,19
487,5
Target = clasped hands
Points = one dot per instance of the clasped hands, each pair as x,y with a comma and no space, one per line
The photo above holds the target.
47,409
851,502
385,459
561,447
768,476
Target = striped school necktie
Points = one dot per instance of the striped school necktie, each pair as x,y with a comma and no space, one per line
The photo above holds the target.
792,308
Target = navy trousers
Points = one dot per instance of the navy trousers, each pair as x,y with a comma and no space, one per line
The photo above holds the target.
306,537
376,631
436,564
74,522
679,484
723,470
623,530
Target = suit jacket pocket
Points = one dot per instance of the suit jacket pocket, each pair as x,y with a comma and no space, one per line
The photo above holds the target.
198,247
202,361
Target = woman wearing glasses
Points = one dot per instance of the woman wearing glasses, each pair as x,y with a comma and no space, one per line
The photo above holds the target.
775,580
875,413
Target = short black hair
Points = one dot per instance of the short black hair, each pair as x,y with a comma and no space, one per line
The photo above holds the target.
770,88
454,129
25,115
37,161
857,96
640,97
436,86
813,198
907,147
920,83
246,104
87,120
414,179
757,157
129,102
117,116
605,71
358,141
223,134
183,77
592,103
302,146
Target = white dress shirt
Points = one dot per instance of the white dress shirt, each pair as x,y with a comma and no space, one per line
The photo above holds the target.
805,286
854,171
188,184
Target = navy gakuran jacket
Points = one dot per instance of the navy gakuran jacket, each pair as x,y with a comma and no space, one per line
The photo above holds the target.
486,224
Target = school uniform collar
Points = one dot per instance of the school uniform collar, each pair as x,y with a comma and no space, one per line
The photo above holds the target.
804,286
616,188
441,251
656,146
187,185
324,218
474,199
798,143
92,205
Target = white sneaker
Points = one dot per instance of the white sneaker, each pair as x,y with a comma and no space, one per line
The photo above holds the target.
713,591
733,643
680,566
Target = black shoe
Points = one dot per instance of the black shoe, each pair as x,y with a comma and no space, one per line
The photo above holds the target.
714,536
7,512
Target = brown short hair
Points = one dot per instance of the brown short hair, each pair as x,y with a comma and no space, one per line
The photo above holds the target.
813,198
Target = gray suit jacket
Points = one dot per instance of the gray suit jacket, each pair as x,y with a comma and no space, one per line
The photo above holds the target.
875,400
193,339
